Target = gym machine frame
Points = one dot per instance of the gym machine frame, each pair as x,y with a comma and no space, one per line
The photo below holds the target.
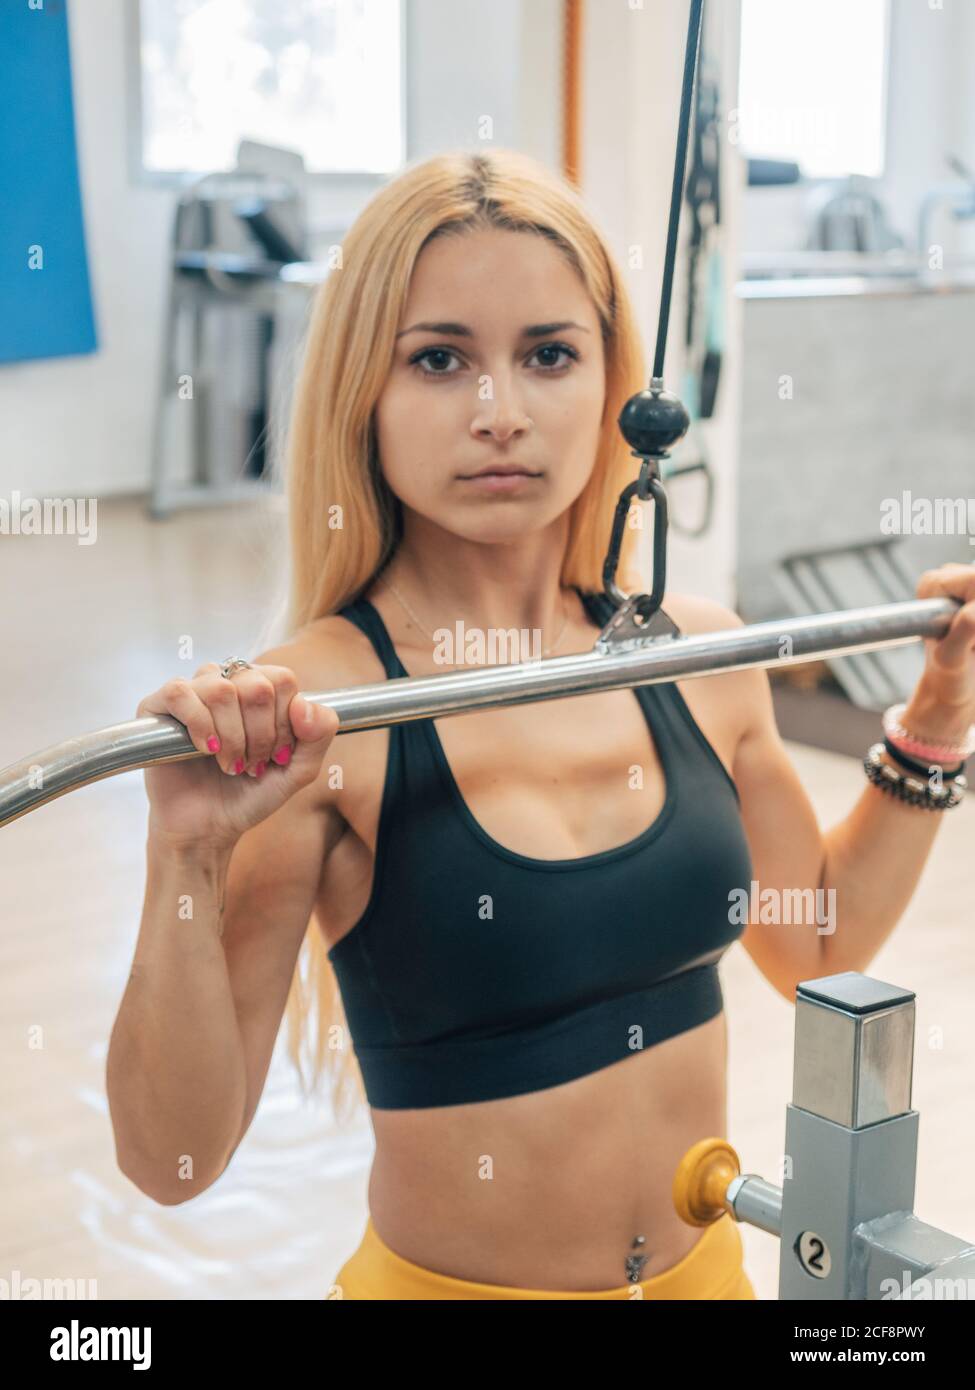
844,1215
845,1211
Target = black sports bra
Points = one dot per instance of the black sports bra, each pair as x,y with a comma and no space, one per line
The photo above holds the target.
476,972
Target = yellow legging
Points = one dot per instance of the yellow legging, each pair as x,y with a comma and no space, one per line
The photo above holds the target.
712,1269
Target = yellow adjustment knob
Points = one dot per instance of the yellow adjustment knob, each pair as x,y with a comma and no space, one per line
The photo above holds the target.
701,1181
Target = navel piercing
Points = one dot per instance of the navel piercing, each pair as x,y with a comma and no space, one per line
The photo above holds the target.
635,1263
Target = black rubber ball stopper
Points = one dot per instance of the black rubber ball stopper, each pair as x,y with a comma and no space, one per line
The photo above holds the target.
652,421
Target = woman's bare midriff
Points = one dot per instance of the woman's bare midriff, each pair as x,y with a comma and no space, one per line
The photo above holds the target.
547,1189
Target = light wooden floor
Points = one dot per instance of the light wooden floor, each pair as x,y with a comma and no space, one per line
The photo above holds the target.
86,631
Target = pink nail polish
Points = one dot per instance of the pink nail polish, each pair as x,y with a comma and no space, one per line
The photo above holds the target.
239,765
283,756
259,770
213,743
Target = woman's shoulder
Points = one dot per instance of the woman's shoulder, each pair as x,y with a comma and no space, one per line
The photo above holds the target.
740,695
327,654
693,613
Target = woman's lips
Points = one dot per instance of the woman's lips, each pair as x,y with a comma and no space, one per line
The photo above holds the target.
500,482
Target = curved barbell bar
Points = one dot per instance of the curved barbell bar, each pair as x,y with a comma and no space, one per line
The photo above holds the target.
142,742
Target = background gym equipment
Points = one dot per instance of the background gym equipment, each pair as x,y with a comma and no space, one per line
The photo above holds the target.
623,655
845,1212
840,576
237,239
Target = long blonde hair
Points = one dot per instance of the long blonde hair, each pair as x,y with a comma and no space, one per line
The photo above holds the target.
331,460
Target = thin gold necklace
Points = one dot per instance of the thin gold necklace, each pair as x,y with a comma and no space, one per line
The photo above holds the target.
429,635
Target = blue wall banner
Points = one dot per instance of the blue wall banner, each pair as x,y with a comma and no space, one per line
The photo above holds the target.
45,296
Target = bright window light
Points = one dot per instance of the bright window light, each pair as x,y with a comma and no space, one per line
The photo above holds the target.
318,76
813,84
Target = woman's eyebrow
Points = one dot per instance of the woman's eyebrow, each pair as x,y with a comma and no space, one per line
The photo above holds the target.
460,330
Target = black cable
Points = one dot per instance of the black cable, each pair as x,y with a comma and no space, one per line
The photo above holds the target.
653,421
676,198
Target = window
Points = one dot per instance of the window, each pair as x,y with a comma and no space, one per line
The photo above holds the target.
813,84
322,77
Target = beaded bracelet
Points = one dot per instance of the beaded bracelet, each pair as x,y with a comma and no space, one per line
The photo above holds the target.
910,743
913,765
912,789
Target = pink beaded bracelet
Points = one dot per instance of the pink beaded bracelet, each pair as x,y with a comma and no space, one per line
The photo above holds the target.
929,752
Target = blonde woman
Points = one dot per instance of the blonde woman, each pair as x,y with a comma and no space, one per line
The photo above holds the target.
513,917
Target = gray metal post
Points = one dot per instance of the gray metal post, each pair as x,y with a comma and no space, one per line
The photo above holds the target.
847,1226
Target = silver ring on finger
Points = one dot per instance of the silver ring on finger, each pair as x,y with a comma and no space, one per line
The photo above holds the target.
232,664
